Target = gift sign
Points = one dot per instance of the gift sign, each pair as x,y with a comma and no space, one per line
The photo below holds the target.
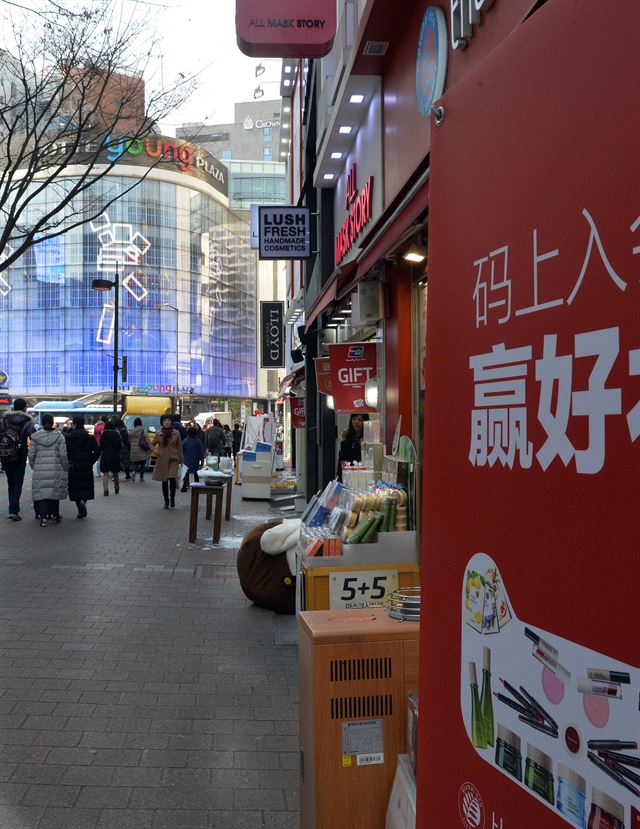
298,420
352,364
529,647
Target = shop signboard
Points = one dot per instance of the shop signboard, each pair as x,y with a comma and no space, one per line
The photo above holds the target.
352,364
4,379
272,334
531,519
323,375
298,420
285,232
285,28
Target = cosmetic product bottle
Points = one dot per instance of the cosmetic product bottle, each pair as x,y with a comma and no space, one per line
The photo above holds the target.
606,813
600,689
538,774
477,725
572,790
508,755
486,703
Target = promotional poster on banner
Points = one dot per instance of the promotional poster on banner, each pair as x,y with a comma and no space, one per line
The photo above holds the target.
323,375
352,364
298,420
529,665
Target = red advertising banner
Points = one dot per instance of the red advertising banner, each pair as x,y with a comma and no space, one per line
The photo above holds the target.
352,364
298,418
323,375
285,28
529,650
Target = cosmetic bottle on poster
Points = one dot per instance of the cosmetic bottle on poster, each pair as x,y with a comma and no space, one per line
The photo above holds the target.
478,738
606,813
486,702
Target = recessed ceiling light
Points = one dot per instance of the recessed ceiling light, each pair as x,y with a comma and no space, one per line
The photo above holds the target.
356,99
329,176
287,109
344,130
287,69
336,156
283,155
284,140
287,82
285,126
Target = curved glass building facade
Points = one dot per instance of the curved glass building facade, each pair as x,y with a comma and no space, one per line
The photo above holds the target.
187,294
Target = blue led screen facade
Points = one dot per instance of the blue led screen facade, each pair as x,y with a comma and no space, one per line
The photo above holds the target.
177,248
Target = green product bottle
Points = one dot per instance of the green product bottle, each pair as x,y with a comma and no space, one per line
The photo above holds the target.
477,725
486,703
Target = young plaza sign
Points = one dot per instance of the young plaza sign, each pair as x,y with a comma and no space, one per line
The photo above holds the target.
533,434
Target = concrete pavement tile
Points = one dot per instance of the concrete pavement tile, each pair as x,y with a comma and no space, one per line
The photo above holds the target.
36,773
87,776
69,819
55,795
12,792
138,777
181,819
20,817
104,797
125,819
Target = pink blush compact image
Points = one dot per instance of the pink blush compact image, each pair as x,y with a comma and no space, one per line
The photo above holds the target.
552,686
596,709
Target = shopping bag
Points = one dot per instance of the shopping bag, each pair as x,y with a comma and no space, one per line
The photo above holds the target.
182,471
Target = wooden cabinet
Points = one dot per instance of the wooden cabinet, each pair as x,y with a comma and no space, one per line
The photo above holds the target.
356,668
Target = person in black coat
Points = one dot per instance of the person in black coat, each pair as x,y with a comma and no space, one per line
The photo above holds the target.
193,456
351,443
111,447
83,451
237,438
125,452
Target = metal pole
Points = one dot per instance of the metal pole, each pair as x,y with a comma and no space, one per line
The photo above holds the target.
116,323
177,344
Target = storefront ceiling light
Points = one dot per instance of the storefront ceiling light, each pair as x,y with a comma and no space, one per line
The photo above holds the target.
284,140
285,126
287,109
416,253
286,82
287,69
345,130
336,156
328,399
356,99
329,176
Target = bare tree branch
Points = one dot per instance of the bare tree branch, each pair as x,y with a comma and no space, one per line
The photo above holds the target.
70,87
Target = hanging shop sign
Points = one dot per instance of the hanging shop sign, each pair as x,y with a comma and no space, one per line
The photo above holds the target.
431,62
298,419
272,334
358,216
285,232
533,436
465,14
285,28
352,364
323,375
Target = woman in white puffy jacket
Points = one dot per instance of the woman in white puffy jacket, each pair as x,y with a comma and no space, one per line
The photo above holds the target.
50,465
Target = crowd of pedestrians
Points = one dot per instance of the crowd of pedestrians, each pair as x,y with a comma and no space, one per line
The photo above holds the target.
66,462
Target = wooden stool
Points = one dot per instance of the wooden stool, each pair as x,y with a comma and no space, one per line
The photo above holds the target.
198,489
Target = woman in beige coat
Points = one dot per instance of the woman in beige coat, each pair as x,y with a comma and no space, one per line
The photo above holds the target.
169,448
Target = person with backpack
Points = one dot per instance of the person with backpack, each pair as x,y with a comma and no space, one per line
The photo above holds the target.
110,447
49,461
193,452
16,427
227,438
125,451
140,449
82,451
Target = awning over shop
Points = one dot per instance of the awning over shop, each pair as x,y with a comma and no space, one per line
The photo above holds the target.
292,380
328,294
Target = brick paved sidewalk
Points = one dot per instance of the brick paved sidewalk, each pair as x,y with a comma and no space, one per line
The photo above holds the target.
134,693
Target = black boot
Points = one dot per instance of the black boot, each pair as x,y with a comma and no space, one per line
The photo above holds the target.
166,503
172,502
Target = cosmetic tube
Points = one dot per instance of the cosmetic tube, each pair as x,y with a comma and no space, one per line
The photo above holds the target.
550,662
621,759
530,634
611,745
508,755
478,738
609,676
606,813
572,792
538,774
599,689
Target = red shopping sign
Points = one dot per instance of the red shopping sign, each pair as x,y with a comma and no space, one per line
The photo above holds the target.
285,28
352,364
298,420
323,375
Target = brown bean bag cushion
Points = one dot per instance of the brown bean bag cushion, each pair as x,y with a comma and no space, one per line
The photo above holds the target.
265,579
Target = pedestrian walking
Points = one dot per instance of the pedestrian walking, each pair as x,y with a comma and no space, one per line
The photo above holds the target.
110,448
170,456
98,429
177,425
215,438
202,435
15,429
227,437
125,451
193,451
82,452
140,449
48,459
237,438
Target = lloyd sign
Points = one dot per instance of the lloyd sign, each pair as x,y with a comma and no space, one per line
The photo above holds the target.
352,364
271,317
285,232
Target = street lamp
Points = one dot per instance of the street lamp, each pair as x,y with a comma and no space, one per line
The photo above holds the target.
107,285
173,308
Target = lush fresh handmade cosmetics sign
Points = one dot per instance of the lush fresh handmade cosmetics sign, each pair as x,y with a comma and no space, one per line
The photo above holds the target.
285,232
533,437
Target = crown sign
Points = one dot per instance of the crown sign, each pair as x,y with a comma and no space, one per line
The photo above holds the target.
248,123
